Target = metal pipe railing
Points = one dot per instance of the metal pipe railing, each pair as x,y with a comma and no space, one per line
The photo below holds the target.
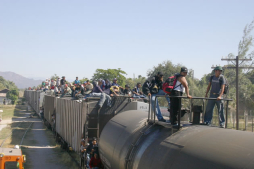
179,112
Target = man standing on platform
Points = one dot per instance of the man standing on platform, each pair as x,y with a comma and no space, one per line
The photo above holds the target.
217,82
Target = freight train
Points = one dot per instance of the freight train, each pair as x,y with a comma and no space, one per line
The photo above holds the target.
128,139
72,120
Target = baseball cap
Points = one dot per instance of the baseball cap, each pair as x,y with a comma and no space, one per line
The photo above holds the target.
114,79
184,69
218,68
127,86
160,74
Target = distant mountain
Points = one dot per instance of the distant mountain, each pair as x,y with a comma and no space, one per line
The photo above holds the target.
20,81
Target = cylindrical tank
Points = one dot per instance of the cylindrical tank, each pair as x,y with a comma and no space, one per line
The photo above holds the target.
128,142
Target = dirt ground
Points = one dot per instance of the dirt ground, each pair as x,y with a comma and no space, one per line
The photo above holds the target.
38,145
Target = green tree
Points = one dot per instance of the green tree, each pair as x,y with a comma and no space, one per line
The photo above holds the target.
110,74
245,45
55,76
13,95
5,84
132,82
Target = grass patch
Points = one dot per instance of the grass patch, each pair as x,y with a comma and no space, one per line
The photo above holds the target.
8,111
16,135
4,133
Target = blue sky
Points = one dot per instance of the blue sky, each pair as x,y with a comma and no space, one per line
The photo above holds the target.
74,38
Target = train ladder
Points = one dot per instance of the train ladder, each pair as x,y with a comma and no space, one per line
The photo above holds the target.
98,124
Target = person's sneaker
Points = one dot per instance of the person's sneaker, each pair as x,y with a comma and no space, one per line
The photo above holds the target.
174,124
222,126
163,120
168,121
208,124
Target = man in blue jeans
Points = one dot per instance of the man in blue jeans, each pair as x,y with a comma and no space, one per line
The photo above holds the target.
217,82
157,82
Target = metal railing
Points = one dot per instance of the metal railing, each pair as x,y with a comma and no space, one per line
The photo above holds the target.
151,114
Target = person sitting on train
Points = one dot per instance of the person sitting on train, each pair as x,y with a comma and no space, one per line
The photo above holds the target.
79,91
98,92
114,91
115,82
58,82
88,88
103,84
56,90
67,91
137,91
127,91
62,83
84,85
52,87
76,81
107,87
73,91
95,162
54,82
46,88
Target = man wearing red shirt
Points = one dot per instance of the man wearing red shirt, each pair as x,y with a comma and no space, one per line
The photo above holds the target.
95,162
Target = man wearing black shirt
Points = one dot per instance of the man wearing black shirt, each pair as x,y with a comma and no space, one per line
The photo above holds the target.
79,91
127,90
62,82
157,82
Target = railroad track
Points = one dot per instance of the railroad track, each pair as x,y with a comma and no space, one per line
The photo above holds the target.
15,128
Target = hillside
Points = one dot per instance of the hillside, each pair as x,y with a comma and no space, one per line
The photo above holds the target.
20,81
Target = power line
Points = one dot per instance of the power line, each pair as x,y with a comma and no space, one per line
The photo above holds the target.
237,80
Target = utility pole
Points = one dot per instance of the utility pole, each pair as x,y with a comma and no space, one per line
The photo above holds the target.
237,81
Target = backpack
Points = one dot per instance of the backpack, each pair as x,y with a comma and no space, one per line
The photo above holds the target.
220,80
169,85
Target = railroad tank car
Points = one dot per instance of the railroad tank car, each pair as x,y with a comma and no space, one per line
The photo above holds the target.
129,142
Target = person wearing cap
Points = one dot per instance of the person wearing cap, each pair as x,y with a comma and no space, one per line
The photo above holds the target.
76,81
127,91
93,147
217,82
116,84
154,90
181,87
